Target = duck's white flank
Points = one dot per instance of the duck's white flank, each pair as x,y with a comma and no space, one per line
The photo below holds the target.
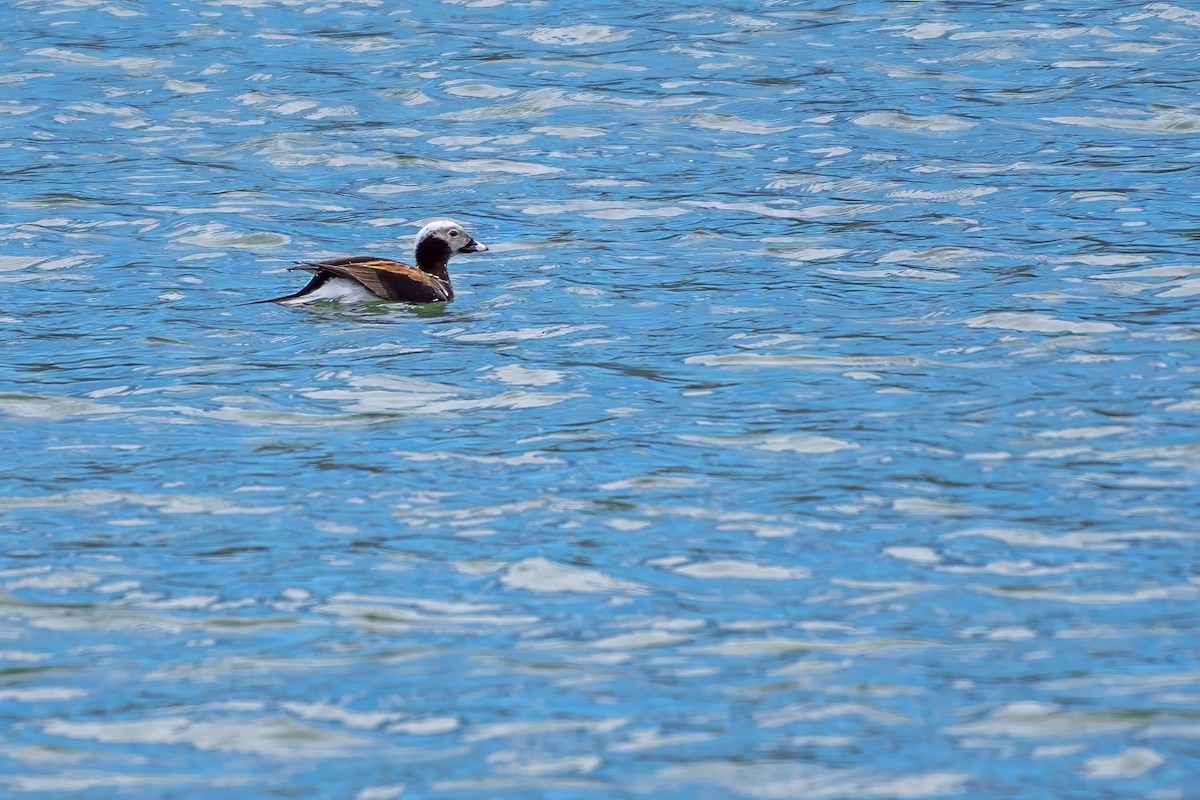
340,289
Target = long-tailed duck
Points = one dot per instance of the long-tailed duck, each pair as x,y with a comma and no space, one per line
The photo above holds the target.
356,278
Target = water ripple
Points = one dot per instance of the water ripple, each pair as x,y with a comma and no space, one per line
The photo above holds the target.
822,421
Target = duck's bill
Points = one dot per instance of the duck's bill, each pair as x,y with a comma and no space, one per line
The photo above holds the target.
472,247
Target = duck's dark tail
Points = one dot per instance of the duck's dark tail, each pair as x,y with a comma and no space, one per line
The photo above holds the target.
317,282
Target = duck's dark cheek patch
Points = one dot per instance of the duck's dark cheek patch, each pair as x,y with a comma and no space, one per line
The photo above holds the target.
432,250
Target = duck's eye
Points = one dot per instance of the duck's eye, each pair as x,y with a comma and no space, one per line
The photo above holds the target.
453,234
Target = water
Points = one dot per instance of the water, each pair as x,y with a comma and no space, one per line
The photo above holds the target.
823,422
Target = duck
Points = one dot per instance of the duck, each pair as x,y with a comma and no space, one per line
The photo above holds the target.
353,279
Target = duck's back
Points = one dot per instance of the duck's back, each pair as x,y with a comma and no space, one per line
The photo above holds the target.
384,278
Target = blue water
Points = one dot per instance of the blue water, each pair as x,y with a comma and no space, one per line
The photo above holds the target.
824,421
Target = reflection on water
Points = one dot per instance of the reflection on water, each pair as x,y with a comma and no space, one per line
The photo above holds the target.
823,422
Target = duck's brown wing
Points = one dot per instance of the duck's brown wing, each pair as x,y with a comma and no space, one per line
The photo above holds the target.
391,280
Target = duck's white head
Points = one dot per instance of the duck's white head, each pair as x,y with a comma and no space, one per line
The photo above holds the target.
448,232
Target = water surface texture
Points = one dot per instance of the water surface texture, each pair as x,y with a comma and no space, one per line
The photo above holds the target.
824,421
